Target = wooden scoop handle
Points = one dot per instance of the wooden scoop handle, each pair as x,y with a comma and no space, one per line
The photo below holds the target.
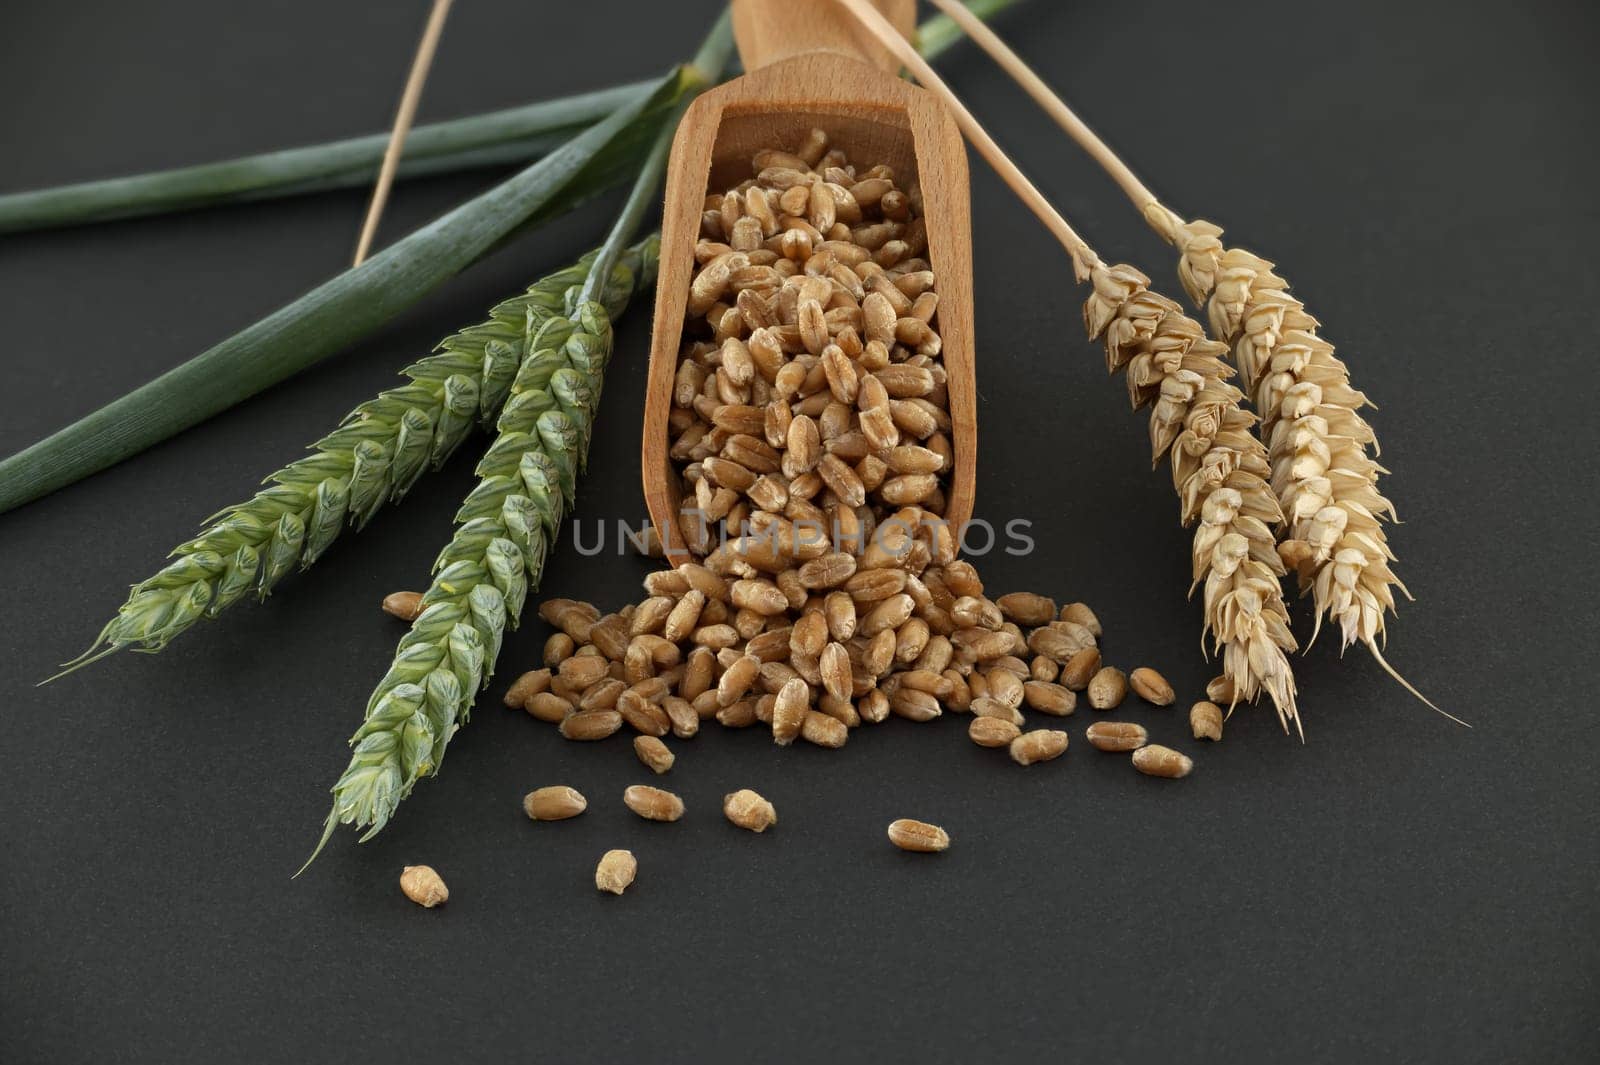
769,30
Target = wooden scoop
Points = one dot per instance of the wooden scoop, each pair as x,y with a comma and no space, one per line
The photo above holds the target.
811,65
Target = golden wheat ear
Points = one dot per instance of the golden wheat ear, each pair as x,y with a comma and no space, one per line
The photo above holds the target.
1322,451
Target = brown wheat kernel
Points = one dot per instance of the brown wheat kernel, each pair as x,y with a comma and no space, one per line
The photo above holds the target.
1059,643
992,731
959,698
764,707
840,709
1151,686
919,836
961,577
610,635
758,595
809,635
914,705
741,714
1116,736
890,613
407,606
1039,745
877,658
873,707
715,636
616,871
642,715
554,803
684,617
1080,669
769,646
423,886
1044,669
557,649
681,712
1026,608
925,680
526,686
547,706
840,611
590,724
1049,698
1005,686
582,670
571,616
1079,613
789,711
834,666
650,615
1107,688
824,731
1220,690
737,679
982,644
1158,761
653,804
602,696
984,706
749,810
1205,721
653,753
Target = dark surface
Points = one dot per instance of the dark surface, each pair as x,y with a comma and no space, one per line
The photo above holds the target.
1396,889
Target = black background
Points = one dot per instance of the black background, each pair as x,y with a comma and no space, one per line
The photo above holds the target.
1396,889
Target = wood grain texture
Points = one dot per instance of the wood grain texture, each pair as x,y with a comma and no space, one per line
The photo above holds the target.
769,30
874,117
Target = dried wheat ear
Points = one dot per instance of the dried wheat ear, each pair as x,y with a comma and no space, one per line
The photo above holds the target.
1322,451
1219,469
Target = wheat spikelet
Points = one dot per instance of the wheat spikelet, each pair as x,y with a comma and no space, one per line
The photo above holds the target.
1219,470
1321,449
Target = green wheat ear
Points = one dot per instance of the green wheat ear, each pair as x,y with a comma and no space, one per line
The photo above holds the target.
482,577
371,459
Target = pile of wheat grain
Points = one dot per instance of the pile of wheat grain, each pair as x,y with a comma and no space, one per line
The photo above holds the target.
810,393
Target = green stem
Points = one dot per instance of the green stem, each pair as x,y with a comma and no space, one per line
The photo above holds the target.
935,36
646,191
340,311
494,138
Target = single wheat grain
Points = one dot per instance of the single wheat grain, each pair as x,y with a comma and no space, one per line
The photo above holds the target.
911,835
1151,686
749,810
653,804
1039,745
616,871
1158,761
1116,736
554,803
1205,721
653,753
423,886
